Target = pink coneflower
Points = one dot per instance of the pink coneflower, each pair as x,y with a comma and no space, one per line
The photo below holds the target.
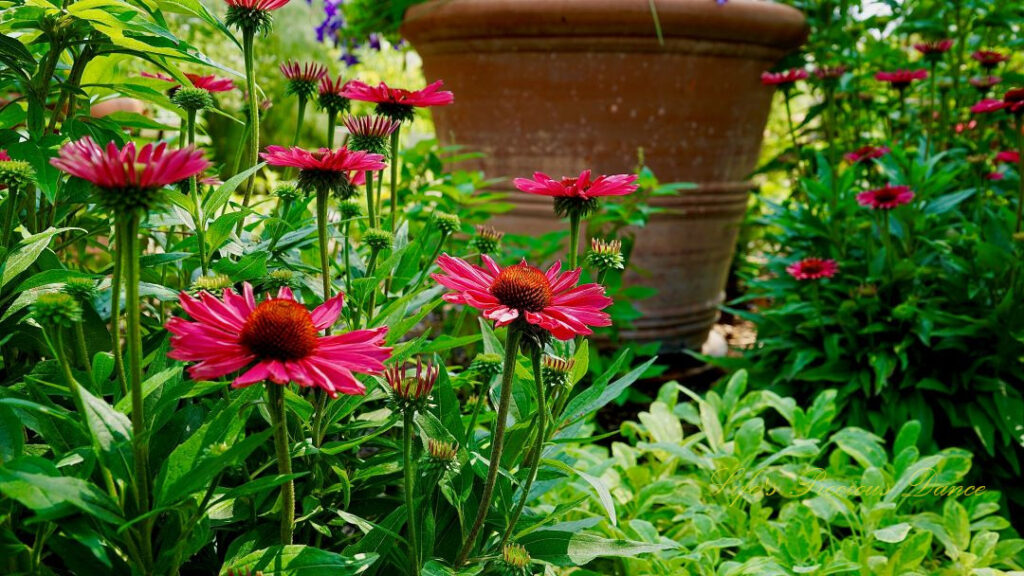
303,78
1008,157
829,72
413,387
901,79
989,59
984,83
4,156
1013,101
549,300
128,179
813,268
935,49
324,169
278,339
579,193
397,103
264,5
785,79
370,133
332,95
886,198
209,83
866,154
995,176
987,105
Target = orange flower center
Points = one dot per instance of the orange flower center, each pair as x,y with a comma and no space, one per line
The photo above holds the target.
279,329
522,287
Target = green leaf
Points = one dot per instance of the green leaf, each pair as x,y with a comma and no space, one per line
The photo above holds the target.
298,560
12,435
893,534
26,252
563,548
222,194
604,496
35,484
862,446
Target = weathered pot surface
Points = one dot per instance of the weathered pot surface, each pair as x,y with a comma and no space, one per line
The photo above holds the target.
559,86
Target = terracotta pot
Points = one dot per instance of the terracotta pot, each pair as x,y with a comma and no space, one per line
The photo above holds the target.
559,86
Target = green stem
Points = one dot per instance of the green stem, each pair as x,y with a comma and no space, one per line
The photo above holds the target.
792,136
497,443
369,199
299,121
410,492
371,266
11,208
1020,171
480,399
348,265
116,281
574,240
332,122
394,178
197,213
321,228
248,36
133,310
83,350
538,447
279,421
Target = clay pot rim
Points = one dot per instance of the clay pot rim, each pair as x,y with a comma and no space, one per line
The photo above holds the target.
757,22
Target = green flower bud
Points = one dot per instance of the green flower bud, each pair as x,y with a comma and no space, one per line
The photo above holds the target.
350,209
288,193
212,284
81,289
486,239
281,278
515,560
447,223
606,255
378,239
16,174
556,371
487,365
57,309
192,98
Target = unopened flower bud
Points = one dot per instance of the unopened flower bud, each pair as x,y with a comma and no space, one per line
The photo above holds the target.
81,289
487,365
515,560
57,309
411,392
606,254
212,284
288,192
556,371
378,239
486,239
192,99
447,223
16,174
350,209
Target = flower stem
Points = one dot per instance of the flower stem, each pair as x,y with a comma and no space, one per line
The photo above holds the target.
394,178
1020,171
299,121
792,136
8,228
279,421
133,307
321,228
253,126
371,266
538,447
332,122
574,240
497,443
410,492
83,350
116,281
370,204
197,213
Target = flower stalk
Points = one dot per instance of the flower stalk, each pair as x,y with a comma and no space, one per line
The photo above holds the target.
409,467
279,422
394,178
497,442
538,446
253,125
197,211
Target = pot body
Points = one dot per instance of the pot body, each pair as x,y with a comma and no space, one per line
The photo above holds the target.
559,86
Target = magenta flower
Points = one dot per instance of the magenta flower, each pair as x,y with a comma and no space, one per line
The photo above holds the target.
987,105
830,72
1012,102
323,160
550,300
901,79
995,176
432,95
784,80
886,198
124,169
813,268
581,187
866,153
4,156
277,339
935,48
984,83
371,126
989,59
307,72
209,83
263,5
1008,157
